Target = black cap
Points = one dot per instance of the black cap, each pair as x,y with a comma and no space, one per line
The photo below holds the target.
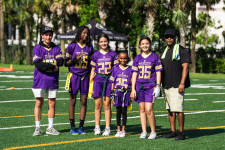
46,29
170,32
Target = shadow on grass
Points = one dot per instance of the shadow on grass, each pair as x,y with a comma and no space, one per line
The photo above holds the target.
195,133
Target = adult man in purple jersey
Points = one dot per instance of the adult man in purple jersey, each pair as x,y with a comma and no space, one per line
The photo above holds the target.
47,57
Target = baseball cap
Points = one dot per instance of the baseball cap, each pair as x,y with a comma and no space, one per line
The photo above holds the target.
46,29
170,32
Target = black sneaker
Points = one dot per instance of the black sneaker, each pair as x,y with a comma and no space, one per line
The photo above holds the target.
180,136
170,135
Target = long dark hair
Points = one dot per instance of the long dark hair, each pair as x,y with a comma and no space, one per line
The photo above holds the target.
105,36
78,35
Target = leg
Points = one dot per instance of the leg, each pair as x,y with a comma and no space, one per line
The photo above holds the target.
172,118
72,104
98,107
143,116
38,108
83,109
150,114
107,108
51,111
118,116
181,121
124,113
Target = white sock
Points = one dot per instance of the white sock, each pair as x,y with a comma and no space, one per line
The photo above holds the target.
38,123
97,126
108,128
50,122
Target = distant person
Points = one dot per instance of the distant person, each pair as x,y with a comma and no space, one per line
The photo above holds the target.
175,61
146,80
47,57
120,91
102,64
78,56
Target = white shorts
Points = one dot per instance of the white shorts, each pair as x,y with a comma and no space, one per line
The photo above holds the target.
51,93
174,100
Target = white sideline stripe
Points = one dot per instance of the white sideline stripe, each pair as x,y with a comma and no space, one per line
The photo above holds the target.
218,101
27,89
23,81
12,101
134,117
191,99
204,93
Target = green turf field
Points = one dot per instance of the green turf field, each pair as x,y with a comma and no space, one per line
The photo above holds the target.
204,119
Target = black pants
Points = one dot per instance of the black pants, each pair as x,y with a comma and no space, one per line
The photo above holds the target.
121,110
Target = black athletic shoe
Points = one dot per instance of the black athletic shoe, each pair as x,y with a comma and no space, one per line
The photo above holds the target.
170,135
180,136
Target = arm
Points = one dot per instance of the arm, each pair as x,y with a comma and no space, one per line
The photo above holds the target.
44,67
183,78
92,73
60,62
133,81
158,77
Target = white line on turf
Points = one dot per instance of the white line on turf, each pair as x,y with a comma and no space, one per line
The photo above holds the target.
218,101
134,117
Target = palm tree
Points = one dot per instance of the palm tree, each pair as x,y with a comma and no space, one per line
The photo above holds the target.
3,56
103,10
208,4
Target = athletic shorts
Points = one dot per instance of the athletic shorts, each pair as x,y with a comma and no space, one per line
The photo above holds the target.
77,84
51,93
174,100
119,98
145,94
97,89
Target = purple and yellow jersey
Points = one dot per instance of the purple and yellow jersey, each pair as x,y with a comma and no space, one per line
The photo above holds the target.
146,67
104,63
81,67
46,80
121,77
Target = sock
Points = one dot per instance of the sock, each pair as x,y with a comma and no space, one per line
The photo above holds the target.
81,123
38,123
50,122
97,126
108,128
72,124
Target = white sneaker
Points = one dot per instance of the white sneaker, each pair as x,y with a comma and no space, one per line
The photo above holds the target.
97,131
143,135
123,133
52,131
118,133
153,135
37,132
106,132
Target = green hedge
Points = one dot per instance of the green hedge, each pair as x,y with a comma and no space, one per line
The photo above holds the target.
209,65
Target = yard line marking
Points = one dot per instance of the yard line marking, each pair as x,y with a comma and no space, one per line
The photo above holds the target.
134,117
23,81
204,93
218,101
191,99
102,138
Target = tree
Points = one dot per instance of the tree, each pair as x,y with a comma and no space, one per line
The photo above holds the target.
2,41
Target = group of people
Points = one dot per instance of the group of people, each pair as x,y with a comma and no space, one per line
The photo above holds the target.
111,80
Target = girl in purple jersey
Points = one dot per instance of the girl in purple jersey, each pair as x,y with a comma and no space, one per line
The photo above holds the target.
146,80
77,59
102,63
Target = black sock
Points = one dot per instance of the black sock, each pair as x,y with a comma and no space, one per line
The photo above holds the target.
72,124
81,123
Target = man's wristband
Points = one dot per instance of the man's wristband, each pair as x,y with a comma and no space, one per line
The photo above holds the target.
158,85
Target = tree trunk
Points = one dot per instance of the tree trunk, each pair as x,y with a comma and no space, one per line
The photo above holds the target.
2,40
193,37
150,21
28,40
138,50
206,25
62,42
182,36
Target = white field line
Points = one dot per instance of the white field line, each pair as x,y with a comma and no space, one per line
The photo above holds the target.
218,101
26,89
134,117
23,81
204,93
12,101
191,99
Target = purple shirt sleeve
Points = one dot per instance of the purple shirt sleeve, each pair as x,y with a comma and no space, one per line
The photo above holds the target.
135,64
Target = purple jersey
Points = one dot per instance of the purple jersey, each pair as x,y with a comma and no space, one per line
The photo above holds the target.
81,67
46,80
121,77
104,63
146,67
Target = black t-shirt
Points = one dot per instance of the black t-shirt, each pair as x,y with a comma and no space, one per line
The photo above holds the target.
172,70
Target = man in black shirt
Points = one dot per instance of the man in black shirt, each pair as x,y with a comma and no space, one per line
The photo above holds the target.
175,78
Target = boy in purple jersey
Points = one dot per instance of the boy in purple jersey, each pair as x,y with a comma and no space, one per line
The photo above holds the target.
77,59
146,80
120,91
46,58
102,64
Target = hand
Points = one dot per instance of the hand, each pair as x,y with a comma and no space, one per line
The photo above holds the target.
156,92
79,56
133,95
112,96
181,88
56,67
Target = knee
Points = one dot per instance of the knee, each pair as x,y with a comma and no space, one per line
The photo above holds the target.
83,102
51,103
98,107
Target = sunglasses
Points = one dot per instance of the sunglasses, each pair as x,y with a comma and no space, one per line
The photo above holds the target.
169,36
48,34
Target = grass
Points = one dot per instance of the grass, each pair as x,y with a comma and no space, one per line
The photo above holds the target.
204,130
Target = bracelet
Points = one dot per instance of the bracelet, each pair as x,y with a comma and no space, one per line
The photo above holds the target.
158,85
